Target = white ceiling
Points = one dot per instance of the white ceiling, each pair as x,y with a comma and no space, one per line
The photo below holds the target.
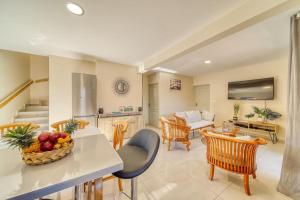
260,42
125,31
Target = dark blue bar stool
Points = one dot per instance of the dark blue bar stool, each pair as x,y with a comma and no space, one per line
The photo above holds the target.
137,155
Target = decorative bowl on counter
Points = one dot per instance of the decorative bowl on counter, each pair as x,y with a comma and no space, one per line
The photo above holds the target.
47,147
39,158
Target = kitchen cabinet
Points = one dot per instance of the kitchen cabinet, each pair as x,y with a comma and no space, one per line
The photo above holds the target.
135,123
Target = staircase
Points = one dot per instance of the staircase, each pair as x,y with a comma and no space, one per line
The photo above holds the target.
36,114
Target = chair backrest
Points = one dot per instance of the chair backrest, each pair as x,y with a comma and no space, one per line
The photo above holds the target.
4,128
230,153
176,129
120,128
180,120
148,140
60,126
164,123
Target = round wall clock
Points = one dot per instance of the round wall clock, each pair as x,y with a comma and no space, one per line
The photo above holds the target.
121,87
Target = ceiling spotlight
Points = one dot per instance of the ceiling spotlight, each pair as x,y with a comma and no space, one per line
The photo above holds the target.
74,8
207,62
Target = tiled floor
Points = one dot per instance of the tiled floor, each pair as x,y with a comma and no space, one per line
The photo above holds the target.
183,175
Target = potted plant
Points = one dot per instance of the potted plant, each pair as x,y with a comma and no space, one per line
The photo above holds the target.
259,113
236,109
265,114
250,115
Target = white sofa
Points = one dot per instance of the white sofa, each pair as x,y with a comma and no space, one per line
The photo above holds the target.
197,119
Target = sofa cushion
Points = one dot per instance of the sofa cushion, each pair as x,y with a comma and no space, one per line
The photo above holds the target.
208,116
200,124
193,116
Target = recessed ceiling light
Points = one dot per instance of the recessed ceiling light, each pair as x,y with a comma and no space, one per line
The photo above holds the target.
75,9
207,62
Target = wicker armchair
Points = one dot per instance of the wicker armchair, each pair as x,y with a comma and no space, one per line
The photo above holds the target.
235,155
172,131
4,128
60,126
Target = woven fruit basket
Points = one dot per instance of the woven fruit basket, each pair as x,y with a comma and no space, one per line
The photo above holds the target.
45,148
39,158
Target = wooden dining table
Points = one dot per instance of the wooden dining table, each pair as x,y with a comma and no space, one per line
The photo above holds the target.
91,159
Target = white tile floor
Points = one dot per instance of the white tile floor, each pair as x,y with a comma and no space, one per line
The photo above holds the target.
183,175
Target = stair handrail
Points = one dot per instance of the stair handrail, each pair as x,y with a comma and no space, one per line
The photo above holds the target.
15,93
41,80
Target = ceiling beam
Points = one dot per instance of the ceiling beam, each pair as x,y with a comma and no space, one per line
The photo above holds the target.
249,13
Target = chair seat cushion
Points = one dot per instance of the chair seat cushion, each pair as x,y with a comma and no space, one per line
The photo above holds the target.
200,124
134,159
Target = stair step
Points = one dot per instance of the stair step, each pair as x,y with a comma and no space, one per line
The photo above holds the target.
25,114
36,120
37,108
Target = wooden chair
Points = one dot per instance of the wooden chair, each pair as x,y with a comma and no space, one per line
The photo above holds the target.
180,120
172,131
60,126
120,128
119,132
4,128
231,154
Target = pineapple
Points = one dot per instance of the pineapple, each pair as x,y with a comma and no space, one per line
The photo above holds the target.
20,137
34,147
71,126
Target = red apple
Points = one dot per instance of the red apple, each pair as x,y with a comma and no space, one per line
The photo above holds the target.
43,137
63,135
47,146
54,137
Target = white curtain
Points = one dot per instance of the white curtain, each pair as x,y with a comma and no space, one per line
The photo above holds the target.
289,183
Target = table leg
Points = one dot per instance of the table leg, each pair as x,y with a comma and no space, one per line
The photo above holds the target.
89,194
98,189
273,137
134,188
78,192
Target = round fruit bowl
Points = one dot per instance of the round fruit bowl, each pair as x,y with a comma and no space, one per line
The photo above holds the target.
39,158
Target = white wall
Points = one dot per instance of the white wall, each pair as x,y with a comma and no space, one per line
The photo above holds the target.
218,81
146,98
107,73
202,97
14,71
60,85
39,69
171,101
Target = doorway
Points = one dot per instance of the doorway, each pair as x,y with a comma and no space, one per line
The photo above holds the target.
153,105
202,97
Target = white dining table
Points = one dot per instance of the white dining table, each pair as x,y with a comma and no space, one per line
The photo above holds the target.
91,159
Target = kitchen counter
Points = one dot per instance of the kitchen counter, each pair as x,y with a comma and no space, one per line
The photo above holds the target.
106,123
108,115
22,182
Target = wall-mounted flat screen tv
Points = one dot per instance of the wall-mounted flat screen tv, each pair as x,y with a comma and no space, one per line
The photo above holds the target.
258,89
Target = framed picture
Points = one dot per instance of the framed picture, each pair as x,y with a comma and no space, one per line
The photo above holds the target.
175,84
